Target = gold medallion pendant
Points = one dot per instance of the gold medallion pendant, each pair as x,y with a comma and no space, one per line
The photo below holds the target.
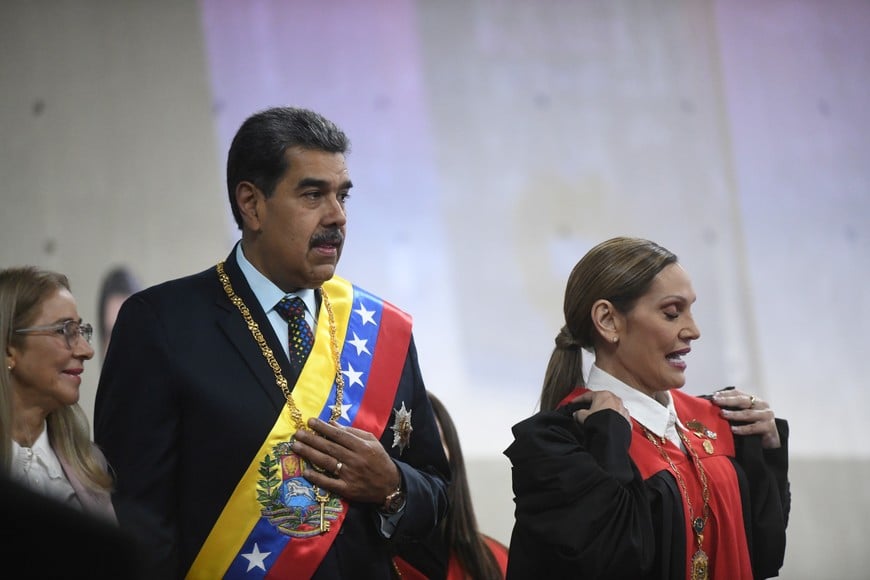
700,566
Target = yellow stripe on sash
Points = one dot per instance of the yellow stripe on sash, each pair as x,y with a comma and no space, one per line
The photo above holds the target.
310,394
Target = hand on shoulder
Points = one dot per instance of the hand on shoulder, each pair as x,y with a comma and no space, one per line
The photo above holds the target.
598,401
755,414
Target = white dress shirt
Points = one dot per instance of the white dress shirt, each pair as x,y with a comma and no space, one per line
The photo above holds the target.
268,295
660,418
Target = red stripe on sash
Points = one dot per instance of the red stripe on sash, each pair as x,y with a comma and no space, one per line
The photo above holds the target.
389,360
301,558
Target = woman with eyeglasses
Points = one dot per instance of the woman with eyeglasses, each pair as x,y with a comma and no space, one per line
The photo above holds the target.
44,434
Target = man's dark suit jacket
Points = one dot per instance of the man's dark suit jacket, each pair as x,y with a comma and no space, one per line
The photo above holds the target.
185,400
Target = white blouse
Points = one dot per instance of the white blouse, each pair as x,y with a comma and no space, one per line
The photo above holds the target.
38,468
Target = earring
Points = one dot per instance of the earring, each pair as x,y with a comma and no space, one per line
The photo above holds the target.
614,340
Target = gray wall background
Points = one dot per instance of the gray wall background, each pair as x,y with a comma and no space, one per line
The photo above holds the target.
494,142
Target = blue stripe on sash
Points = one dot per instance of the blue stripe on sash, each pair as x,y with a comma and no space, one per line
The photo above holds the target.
357,354
258,552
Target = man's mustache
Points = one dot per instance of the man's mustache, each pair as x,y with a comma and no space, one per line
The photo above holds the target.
330,237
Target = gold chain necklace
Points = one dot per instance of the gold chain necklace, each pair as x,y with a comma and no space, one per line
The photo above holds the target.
700,561
270,358
320,495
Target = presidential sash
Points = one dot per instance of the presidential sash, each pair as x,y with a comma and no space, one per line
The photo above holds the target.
270,527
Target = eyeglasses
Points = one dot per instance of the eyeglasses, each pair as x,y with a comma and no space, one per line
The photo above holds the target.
71,330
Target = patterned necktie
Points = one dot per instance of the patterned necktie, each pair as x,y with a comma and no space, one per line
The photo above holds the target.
292,309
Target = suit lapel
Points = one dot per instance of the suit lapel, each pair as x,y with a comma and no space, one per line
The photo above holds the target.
236,330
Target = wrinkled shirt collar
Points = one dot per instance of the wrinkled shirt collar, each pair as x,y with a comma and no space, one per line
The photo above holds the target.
660,419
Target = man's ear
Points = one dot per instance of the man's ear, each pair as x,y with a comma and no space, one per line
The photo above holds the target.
248,200
607,320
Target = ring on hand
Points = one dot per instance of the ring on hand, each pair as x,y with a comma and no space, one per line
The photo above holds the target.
751,401
337,469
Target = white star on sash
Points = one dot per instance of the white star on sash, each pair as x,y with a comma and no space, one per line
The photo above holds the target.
353,376
344,410
256,558
366,315
360,344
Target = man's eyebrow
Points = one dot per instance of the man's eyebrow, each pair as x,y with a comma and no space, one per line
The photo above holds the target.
311,182
320,183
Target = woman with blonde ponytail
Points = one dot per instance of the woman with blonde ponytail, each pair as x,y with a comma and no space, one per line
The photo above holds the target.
621,475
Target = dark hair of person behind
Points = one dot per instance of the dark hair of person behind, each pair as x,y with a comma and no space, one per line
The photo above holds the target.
459,528
619,270
257,153
119,280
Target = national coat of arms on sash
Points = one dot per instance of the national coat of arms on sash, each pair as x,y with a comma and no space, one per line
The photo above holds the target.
290,502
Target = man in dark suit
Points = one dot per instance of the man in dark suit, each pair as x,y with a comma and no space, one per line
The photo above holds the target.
251,432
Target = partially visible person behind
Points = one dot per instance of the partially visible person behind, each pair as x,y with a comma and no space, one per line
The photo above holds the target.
41,538
45,432
469,552
118,284
473,554
625,476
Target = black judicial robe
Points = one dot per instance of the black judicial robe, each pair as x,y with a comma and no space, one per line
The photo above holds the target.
583,509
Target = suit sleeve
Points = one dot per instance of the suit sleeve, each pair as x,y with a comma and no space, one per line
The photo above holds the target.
135,422
423,465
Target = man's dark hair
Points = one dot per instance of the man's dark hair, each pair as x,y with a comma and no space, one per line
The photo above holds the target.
257,153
